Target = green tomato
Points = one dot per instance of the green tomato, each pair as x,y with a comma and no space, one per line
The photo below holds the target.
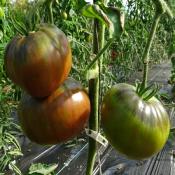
64,15
136,128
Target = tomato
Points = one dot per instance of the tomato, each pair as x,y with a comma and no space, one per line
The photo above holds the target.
39,62
56,118
134,127
64,15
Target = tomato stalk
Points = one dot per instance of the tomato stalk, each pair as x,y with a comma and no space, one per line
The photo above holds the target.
100,53
51,12
94,91
94,97
161,8
148,47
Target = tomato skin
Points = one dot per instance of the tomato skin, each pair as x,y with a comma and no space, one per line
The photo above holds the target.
57,118
136,128
39,62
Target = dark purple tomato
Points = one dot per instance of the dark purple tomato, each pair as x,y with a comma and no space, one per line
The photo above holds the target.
40,61
57,118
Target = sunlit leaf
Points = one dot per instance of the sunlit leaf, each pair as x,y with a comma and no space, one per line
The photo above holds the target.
94,11
42,168
15,169
117,17
112,17
15,152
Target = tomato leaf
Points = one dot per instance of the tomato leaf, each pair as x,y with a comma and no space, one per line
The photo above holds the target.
112,17
42,168
117,18
94,11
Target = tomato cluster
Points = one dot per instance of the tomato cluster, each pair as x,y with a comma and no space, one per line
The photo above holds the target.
53,108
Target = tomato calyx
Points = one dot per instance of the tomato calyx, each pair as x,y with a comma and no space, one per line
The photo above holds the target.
147,92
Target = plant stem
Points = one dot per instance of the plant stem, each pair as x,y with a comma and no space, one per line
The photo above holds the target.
100,62
94,92
51,12
94,97
148,47
99,55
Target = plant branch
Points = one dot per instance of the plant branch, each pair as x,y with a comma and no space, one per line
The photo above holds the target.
98,56
148,47
51,12
94,96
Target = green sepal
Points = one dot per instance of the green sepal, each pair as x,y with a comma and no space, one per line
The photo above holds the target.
42,168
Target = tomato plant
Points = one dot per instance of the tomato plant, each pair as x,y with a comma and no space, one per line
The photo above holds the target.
40,61
56,118
135,127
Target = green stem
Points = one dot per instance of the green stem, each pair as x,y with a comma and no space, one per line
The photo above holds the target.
98,56
94,97
148,47
101,45
51,12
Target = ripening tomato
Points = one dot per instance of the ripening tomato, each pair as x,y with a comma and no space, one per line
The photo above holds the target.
56,118
64,15
134,127
40,61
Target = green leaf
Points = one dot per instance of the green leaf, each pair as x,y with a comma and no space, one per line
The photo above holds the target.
1,34
94,11
117,18
4,161
12,139
42,168
15,152
15,169
112,17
